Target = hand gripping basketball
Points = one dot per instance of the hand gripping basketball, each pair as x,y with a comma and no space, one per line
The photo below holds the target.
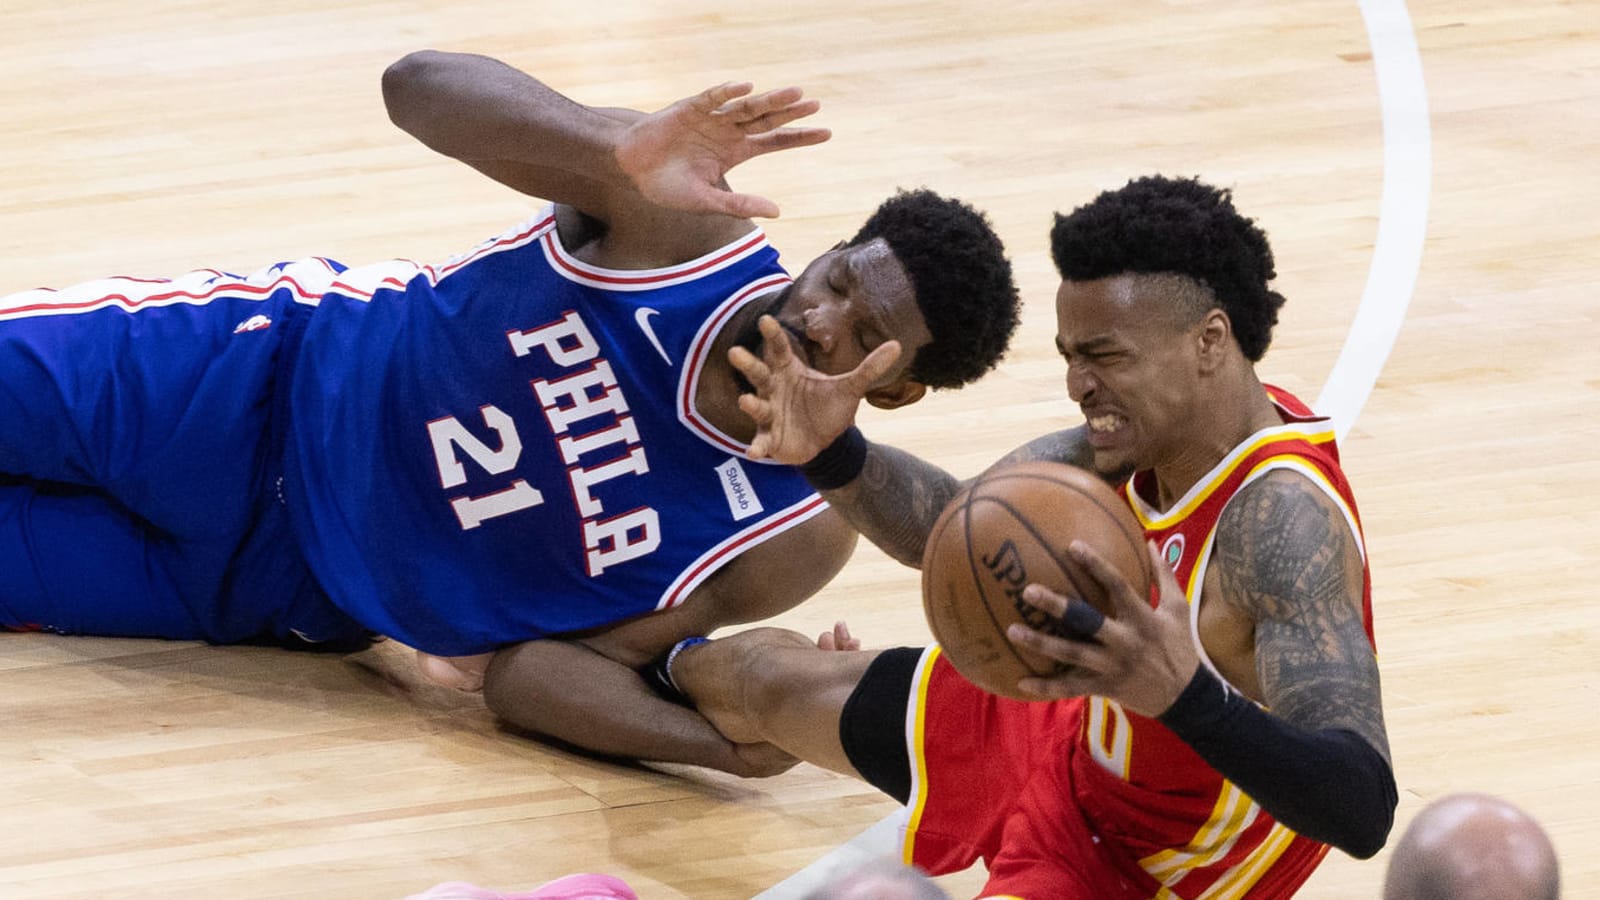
1140,656
1010,530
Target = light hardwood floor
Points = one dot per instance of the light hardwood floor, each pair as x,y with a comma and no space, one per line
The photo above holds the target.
155,137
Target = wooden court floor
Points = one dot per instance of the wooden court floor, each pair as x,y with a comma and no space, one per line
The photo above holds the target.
156,137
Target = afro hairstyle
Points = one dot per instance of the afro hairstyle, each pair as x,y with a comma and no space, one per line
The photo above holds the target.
962,278
1158,225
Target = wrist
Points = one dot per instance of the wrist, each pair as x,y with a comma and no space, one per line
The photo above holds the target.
1201,703
618,167
839,463
672,656
658,673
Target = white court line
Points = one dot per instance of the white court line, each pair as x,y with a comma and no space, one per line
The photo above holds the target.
1402,214
880,840
1391,278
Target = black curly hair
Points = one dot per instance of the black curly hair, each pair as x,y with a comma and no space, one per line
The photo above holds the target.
1182,226
962,279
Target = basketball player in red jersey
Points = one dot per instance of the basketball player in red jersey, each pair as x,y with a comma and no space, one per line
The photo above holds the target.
1214,743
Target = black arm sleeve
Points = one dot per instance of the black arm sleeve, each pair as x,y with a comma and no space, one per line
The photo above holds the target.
1330,785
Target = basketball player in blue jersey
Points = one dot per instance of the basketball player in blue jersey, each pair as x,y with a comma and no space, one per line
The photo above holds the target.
527,462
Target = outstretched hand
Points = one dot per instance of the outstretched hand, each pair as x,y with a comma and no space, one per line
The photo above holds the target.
1141,657
677,157
798,410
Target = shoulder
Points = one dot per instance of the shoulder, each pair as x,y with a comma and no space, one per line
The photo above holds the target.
1284,536
632,233
1283,496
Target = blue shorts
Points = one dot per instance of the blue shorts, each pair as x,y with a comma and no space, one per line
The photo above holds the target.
140,460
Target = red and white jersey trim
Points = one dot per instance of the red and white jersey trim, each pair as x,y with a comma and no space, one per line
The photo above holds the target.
363,282
700,350
307,279
577,270
731,547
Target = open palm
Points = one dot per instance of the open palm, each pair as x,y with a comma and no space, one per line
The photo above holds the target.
677,156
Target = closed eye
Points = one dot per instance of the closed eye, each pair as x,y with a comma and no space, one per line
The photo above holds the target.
842,275
1096,352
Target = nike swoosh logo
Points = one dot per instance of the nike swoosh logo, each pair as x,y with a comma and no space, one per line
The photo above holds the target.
642,316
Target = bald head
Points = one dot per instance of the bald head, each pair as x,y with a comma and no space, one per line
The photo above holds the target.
1473,847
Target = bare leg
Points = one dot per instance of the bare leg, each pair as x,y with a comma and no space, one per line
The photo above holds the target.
774,685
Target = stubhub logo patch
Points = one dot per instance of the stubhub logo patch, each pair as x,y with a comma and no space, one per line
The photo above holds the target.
742,500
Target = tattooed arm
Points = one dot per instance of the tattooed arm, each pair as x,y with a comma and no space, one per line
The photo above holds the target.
1069,445
1286,559
897,497
1287,562
1281,619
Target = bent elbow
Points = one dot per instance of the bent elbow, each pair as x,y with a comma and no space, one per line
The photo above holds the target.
401,80
1367,846
1372,838
1361,837
1370,835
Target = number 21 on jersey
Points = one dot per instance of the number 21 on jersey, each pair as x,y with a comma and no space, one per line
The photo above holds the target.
448,435
608,448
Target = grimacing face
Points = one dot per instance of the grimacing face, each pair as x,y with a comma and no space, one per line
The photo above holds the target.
846,303
1132,368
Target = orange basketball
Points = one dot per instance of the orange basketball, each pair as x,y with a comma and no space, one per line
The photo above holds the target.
1009,529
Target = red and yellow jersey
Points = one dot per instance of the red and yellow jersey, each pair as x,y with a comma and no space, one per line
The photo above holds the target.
1082,800
1191,830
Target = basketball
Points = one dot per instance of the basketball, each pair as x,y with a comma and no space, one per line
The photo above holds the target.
1009,529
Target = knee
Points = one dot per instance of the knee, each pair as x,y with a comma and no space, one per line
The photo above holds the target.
769,639
743,673
771,663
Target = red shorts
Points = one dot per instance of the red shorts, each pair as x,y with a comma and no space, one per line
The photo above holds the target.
1001,781
986,784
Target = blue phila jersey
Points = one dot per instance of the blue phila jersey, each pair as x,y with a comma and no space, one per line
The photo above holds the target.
504,447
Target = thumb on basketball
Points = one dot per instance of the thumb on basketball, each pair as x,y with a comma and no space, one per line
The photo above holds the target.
1126,599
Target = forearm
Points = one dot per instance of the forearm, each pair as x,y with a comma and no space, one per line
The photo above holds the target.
896,498
1329,785
474,108
894,501
566,691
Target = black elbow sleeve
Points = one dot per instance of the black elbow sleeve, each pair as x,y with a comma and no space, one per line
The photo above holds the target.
1329,785
1370,808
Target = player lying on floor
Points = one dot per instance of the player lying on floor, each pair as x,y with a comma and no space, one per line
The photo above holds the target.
526,462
